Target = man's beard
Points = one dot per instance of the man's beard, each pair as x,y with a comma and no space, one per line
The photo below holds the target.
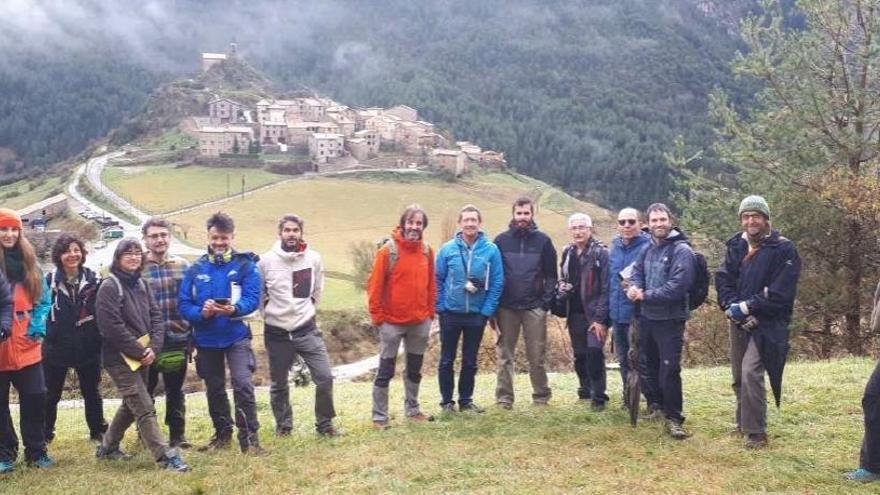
412,234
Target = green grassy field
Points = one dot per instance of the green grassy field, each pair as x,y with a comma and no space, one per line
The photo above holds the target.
26,192
164,188
563,448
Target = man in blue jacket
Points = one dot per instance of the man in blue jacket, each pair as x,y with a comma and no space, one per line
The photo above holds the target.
219,289
625,250
661,278
756,287
470,278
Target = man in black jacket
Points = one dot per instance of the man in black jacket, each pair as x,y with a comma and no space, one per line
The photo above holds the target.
529,281
756,287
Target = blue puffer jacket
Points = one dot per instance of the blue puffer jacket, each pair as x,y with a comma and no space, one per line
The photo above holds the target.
622,255
665,271
209,278
451,270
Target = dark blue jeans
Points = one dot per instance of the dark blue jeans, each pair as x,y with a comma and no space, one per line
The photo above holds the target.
620,334
468,327
660,344
870,455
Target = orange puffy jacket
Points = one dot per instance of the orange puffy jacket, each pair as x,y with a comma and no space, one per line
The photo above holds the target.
18,351
407,294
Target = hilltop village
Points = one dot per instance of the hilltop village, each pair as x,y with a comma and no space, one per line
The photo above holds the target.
330,134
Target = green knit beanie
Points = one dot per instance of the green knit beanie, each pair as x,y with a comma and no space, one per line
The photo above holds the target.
755,203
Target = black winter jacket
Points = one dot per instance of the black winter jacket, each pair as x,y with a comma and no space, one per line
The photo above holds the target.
593,283
72,337
529,268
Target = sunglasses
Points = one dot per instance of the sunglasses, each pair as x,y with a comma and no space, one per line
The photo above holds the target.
627,221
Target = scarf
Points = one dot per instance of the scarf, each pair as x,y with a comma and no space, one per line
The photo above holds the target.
14,265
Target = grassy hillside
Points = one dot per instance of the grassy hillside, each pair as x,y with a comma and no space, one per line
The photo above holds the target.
23,193
559,449
164,188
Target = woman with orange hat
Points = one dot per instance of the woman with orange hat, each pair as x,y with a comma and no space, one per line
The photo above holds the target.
21,354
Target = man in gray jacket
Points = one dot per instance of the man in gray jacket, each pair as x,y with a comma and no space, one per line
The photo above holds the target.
662,277
293,280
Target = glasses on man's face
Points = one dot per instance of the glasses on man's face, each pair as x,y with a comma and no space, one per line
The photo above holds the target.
626,221
132,254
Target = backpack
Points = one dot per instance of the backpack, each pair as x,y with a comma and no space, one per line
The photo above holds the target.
699,291
394,254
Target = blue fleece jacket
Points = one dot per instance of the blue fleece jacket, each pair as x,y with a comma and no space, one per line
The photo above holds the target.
665,271
622,255
482,262
209,278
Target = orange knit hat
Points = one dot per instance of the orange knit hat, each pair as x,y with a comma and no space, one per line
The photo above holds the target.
10,218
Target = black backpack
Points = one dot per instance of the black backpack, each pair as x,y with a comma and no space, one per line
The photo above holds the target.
699,291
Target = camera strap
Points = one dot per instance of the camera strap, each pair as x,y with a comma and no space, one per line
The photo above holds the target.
465,263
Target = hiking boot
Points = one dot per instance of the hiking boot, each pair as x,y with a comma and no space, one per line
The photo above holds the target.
597,406
756,441
218,441
507,406
331,432
114,454
448,408
283,432
654,413
420,418
173,463
7,467
381,425
42,462
676,430
471,407
862,476
180,443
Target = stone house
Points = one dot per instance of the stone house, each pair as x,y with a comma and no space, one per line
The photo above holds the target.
216,140
402,112
211,59
226,111
323,147
451,160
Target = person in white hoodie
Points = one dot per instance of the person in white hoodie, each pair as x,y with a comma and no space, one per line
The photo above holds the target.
293,280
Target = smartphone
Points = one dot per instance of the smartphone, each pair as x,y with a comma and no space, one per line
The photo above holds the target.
223,301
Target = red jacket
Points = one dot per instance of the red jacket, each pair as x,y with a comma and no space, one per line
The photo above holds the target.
407,294
18,351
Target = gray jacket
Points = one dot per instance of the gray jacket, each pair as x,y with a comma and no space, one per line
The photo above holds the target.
665,271
122,321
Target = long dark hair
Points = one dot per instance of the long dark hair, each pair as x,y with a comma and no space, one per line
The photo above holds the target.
33,277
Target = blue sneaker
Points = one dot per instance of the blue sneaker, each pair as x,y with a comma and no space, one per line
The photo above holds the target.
42,462
173,463
862,476
7,467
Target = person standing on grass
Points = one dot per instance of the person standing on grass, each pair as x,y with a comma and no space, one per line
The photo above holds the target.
869,458
164,272
293,282
72,337
20,352
401,294
583,290
626,248
126,313
218,290
756,287
470,278
529,283
661,278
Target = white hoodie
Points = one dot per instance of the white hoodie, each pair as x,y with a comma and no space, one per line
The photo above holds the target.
292,286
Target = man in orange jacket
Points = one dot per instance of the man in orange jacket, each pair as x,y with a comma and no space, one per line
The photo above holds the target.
401,294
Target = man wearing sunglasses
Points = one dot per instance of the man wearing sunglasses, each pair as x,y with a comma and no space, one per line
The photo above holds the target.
625,249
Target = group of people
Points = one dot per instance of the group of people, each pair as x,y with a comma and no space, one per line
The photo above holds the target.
153,311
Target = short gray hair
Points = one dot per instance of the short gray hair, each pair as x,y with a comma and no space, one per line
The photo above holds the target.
580,217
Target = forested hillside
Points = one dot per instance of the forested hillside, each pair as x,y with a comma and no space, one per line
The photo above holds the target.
585,94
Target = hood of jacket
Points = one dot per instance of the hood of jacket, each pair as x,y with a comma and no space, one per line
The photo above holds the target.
290,255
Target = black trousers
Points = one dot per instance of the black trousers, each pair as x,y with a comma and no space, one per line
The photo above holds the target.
870,455
89,380
660,343
175,400
31,387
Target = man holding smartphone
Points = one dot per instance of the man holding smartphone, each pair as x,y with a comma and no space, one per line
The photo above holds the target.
219,289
